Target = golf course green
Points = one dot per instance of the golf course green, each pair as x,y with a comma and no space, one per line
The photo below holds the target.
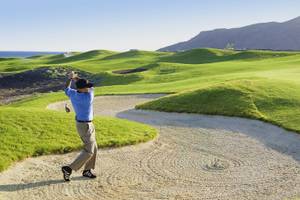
262,85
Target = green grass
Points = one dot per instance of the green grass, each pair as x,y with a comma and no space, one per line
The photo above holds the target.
226,99
92,55
257,99
26,132
262,85
95,61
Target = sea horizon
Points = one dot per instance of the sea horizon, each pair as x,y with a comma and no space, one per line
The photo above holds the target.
24,54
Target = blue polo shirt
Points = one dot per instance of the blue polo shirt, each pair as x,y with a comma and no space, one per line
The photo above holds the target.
82,103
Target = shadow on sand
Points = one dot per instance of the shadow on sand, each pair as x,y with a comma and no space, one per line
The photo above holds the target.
24,186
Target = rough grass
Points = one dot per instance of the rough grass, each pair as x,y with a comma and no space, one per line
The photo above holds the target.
31,132
226,99
268,100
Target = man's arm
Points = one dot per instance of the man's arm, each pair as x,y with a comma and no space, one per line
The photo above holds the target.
68,83
71,76
68,90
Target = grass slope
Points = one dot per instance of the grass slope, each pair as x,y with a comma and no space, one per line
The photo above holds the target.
95,54
229,99
257,99
28,132
95,61
200,56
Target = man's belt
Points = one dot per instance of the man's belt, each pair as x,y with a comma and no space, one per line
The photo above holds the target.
83,121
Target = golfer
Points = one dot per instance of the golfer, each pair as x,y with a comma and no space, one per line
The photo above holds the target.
82,101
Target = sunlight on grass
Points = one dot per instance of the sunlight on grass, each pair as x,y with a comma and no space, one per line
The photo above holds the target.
32,132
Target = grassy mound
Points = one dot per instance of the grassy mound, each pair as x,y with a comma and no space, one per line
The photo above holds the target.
259,54
33,132
272,101
198,56
95,54
135,54
224,100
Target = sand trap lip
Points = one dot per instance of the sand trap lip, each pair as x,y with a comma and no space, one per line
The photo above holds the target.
195,157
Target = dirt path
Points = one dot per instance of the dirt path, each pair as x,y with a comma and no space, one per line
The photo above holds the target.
195,157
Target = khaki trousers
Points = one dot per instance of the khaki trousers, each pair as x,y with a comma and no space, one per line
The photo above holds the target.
88,154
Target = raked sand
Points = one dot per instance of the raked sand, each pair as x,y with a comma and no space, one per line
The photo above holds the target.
194,157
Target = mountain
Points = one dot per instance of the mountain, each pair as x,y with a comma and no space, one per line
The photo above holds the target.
272,35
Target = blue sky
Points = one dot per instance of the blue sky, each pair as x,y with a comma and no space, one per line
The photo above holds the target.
69,25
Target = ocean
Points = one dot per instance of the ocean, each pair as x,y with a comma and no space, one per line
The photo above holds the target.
24,54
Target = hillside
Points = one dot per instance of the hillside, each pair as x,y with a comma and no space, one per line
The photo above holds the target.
273,36
190,74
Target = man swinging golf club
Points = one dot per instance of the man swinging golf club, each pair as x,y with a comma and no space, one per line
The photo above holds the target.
82,101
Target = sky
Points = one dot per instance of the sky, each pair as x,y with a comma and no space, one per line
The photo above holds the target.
82,25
